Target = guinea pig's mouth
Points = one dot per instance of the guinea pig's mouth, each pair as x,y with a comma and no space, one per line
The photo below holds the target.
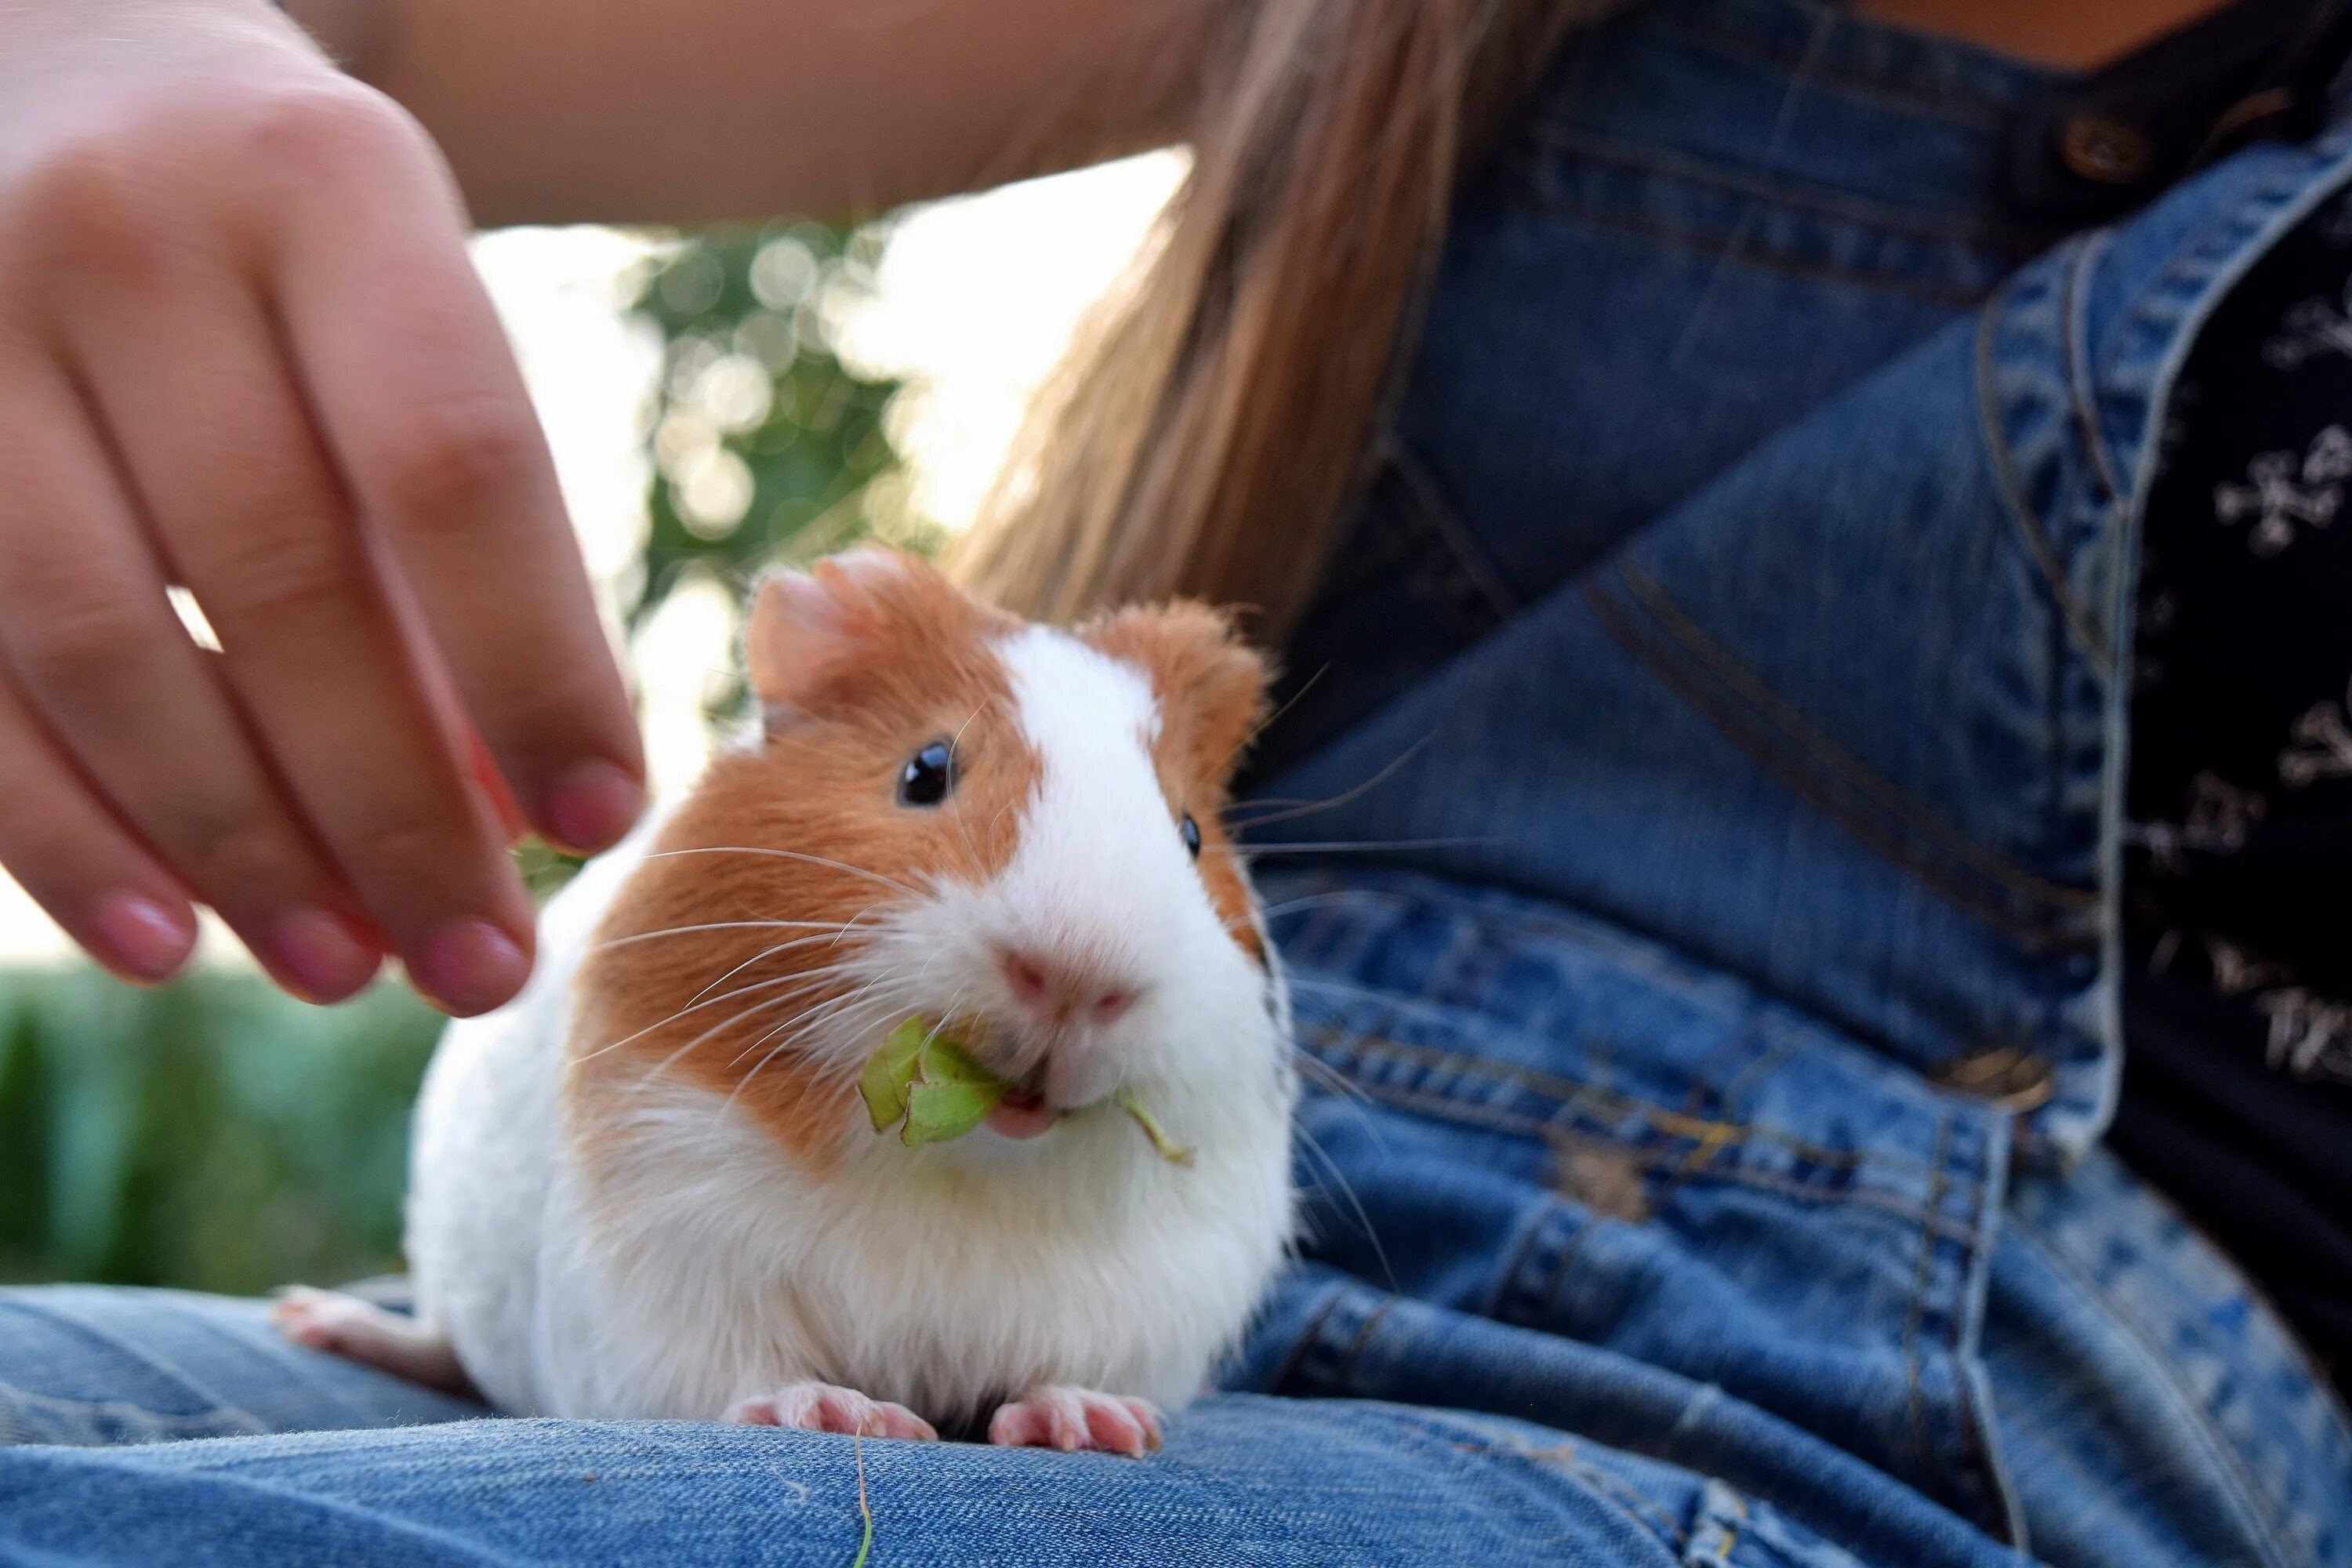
1023,1113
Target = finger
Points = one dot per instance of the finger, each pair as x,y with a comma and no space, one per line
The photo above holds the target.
426,418
248,515
79,864
87,632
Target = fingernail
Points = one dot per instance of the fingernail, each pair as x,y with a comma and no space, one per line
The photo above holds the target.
141,938
594,806
319,955
468,966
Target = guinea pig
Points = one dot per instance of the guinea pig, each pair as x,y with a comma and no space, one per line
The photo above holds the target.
648,1188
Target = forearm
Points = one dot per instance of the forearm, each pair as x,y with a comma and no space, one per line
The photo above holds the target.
678,110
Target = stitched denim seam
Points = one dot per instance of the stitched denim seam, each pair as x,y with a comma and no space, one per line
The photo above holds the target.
2253,1505
2034,933
1914,1392
1998,1512
1444,519
1571,1093
1969,1456
2074,312
2022,518
2012,247
1712,248
1293,1364
1715,1168
1507,1280
1849,769
2228,236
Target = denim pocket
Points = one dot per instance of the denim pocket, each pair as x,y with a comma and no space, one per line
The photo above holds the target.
1549,1125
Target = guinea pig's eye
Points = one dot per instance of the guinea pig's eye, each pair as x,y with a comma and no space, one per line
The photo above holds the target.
1189,832
928,777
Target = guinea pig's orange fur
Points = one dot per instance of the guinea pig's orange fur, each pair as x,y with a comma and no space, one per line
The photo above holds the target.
825,784
1212,693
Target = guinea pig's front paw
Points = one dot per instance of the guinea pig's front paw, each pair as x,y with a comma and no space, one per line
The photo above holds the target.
823,1407
1053,1417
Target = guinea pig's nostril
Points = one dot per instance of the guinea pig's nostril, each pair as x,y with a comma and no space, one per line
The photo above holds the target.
1027,976
1061,992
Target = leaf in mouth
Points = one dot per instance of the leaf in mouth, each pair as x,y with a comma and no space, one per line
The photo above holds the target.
932,1084
921,1078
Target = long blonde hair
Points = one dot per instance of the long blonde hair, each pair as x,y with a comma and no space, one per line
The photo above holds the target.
1207,429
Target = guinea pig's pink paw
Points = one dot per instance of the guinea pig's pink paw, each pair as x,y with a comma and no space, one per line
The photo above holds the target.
1053,1416
823,1407
347,1326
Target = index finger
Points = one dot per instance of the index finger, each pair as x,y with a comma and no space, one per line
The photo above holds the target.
424,411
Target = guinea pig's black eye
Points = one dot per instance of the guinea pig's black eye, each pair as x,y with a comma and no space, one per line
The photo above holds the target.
928,777
1189,832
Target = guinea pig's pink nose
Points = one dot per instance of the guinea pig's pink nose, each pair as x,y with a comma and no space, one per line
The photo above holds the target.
1063,993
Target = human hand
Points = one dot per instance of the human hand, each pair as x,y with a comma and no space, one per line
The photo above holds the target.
242,350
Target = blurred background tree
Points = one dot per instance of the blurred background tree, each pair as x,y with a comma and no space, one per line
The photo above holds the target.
216,1135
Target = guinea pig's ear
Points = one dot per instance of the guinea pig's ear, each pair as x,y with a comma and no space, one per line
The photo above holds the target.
807,627
1210,684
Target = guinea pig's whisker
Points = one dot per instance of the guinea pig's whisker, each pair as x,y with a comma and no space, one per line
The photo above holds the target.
675,1057
1263,725
814,1012
1330,1077
890,882
833,938
1379,1000
1309,807
1347,1190
714,925
799,1030
1258,851
682,1011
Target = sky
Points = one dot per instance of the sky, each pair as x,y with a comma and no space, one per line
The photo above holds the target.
975,299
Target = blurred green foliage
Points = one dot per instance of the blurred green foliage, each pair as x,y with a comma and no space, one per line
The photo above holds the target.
216,1135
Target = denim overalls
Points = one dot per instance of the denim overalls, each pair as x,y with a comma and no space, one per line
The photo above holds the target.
1693,842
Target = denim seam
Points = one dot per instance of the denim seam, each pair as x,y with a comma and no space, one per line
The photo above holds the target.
1685,1161
2026,521
1713,248
1847,768
2074,312
1915,1401
1444,520
1904,853
1308,1338
1570,1093
2197,258
2255,1508
2012,247
1999,1512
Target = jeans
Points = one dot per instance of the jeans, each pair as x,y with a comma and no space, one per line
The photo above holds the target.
1697,862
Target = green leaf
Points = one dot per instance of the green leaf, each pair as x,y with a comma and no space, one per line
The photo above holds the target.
888,1071
934,1084
1168,1149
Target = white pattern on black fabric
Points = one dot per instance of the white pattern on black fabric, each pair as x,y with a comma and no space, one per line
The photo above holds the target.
2310,1035
2220,814
2281,491
2319,745
2310,329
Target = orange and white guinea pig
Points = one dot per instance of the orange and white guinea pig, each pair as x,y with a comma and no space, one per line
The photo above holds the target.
648,1187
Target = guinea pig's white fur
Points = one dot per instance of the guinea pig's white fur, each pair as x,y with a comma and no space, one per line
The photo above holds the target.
703,1265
